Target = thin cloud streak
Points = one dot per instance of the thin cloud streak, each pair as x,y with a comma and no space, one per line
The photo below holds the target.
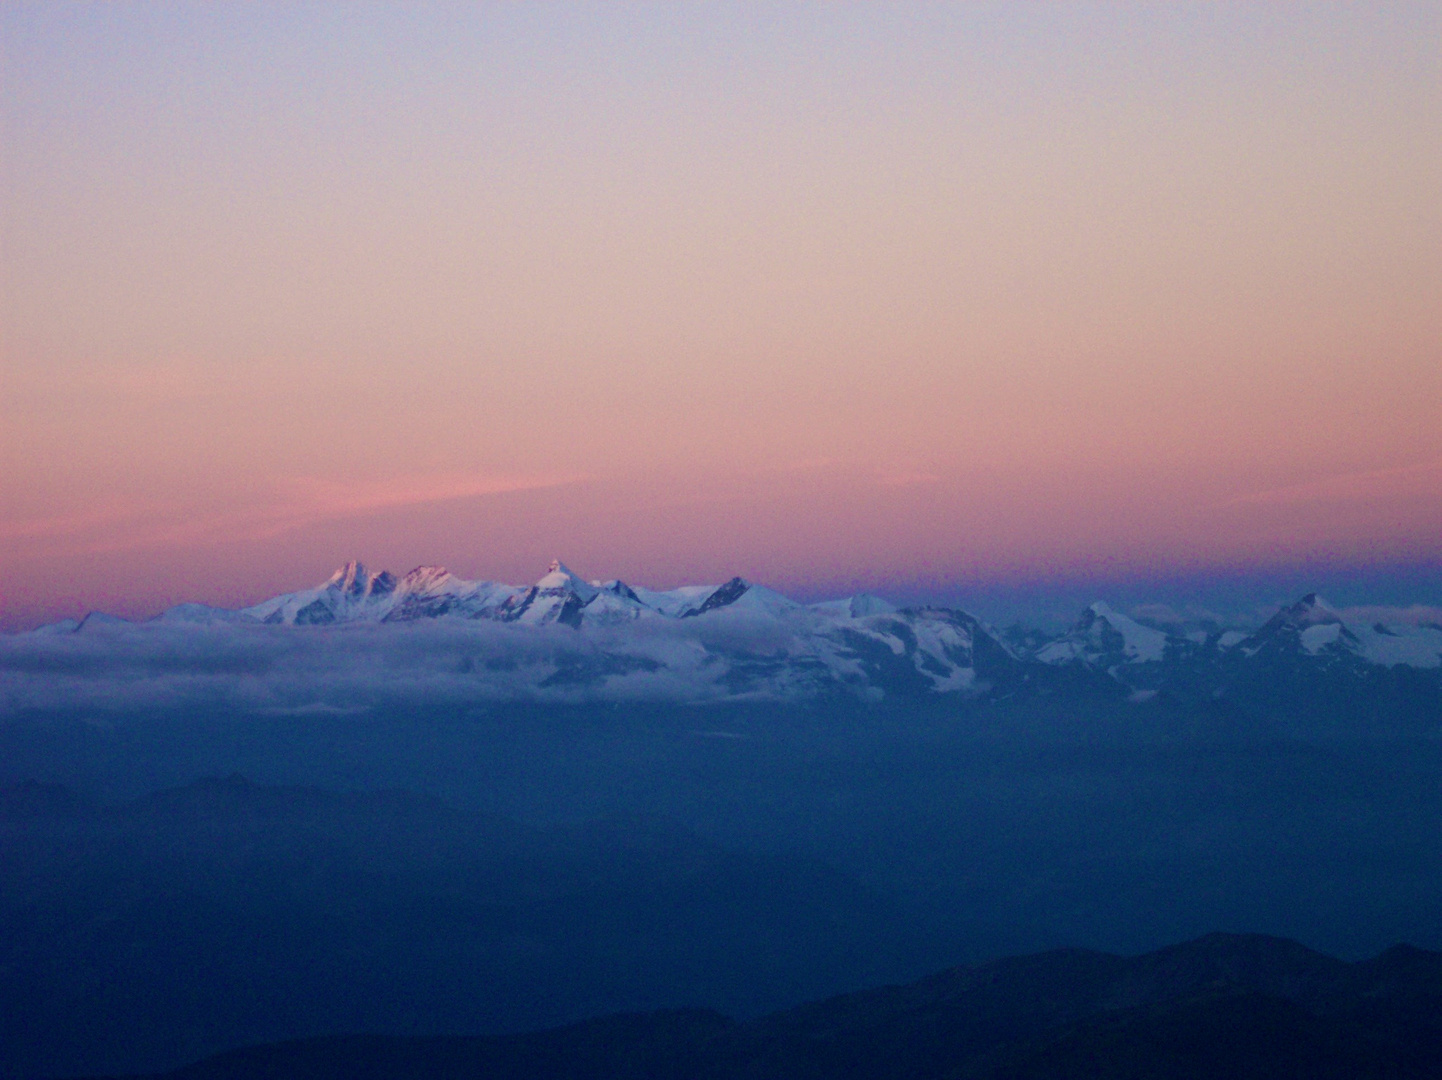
57,526
327,498
297,502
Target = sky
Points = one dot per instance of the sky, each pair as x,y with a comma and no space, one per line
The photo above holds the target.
934,300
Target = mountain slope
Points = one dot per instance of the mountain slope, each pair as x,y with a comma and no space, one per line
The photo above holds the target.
224,912
1104,638
1223,1005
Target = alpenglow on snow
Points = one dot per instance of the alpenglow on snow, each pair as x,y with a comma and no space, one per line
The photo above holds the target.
359,637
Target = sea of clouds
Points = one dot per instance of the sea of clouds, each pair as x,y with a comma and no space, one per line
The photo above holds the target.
280,669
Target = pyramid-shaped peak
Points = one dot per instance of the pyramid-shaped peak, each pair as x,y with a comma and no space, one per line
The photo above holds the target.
1306,622
561,577
558,573
1312,609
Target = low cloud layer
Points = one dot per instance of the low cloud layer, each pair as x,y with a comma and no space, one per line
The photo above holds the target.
295,671
729,653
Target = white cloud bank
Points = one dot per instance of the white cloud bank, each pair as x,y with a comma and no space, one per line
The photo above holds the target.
281,670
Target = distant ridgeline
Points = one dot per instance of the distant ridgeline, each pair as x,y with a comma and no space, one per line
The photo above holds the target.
567,639
1221,1006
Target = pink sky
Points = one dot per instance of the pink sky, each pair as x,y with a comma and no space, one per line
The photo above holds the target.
820,296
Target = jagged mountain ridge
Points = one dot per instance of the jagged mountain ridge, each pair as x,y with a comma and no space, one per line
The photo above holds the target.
1306,669
1221,1005
353,594
566,637
1309,630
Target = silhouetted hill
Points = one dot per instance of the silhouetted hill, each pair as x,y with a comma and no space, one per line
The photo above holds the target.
1224,1005
225,912
605,861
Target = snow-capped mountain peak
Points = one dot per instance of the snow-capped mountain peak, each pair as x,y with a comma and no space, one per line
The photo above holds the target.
426,579
566,638
1139,643
353,583
337,600
350,578
559,576
1310,626
1104,637
560,597
722,596
1311,610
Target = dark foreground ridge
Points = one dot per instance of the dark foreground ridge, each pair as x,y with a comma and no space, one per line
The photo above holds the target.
1223,1005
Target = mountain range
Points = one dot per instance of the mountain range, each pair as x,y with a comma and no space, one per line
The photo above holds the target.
270,924
564,636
